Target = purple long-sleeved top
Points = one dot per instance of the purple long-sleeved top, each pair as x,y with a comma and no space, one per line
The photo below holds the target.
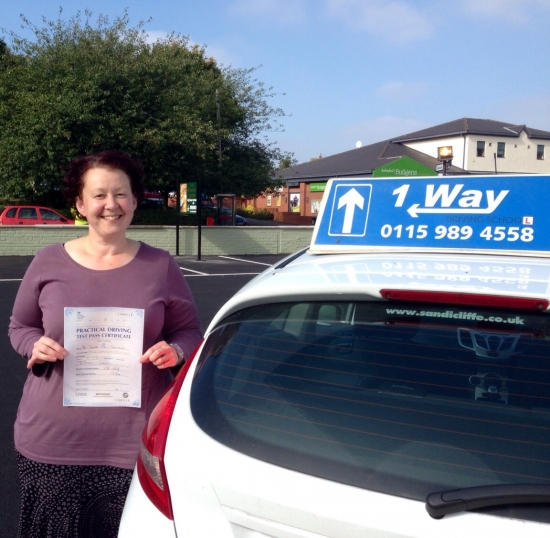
47,432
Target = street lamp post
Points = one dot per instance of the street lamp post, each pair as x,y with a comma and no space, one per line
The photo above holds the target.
445,156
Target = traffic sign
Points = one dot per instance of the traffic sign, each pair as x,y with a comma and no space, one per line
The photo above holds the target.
350,217
506,214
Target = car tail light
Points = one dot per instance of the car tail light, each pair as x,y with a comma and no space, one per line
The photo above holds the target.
150,463
468,299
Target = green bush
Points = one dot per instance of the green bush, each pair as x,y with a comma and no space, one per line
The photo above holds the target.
263,214
245,212
248,212
168,216
161,217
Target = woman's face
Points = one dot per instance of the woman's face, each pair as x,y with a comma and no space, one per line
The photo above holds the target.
107,201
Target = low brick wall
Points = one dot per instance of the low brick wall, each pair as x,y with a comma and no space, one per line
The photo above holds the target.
215,240
292,218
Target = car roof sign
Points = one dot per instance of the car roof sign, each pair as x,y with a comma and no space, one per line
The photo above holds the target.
498,214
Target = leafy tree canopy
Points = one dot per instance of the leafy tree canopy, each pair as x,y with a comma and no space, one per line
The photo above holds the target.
80,87
287,162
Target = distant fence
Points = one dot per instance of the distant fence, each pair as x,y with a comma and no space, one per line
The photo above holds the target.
215,240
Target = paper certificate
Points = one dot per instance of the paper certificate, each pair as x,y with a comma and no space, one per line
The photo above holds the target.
102,368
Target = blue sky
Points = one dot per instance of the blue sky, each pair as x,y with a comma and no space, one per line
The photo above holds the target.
359,70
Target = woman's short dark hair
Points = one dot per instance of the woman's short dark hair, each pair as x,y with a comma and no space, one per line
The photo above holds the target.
114,159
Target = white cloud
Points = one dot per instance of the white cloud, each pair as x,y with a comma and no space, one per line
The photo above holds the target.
220,54
271,10
519,11
402,92
154,35
397,21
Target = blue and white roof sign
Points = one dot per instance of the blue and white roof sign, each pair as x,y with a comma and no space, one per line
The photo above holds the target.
506,213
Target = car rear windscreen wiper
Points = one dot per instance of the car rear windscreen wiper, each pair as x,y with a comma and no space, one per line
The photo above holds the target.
452,501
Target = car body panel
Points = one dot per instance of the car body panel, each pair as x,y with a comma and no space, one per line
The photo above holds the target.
355,275
150,522
279,502
220,492
29,215
288,426
224,215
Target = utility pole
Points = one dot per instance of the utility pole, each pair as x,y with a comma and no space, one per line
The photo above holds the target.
178,218
219,138
199,219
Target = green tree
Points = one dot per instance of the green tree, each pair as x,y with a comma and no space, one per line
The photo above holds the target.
78,88
6,58
287,162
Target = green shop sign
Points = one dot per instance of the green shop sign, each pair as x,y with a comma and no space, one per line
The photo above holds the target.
317,187
404,167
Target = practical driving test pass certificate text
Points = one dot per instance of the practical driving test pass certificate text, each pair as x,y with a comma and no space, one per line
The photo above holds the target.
102,368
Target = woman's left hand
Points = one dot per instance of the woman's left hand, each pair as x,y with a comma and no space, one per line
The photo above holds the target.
161,355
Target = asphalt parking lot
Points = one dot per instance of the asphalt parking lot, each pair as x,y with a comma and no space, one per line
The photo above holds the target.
213,280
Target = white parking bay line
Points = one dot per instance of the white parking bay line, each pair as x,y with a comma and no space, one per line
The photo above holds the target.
246,261
192,271
11,279
221,274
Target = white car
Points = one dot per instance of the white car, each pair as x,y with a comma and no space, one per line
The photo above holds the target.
399,392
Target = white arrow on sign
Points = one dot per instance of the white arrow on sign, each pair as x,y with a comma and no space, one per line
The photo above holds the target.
351,199
415,209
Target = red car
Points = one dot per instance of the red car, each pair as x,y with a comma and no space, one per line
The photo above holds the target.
31,214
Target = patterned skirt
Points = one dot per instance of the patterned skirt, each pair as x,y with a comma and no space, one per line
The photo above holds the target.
70,501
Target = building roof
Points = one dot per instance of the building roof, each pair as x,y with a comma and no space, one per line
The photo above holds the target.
357,163
362,161
472,126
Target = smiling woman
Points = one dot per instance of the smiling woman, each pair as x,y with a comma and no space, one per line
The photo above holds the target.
105,189
97,440
108,203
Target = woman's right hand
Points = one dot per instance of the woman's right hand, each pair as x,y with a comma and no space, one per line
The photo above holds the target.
46,350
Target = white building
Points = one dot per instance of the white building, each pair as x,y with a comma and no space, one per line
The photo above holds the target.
485,146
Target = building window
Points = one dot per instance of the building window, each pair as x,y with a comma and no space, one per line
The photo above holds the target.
540,152
480,148
501,150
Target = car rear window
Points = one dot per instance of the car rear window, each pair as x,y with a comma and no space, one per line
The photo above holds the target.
10,213
405,400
